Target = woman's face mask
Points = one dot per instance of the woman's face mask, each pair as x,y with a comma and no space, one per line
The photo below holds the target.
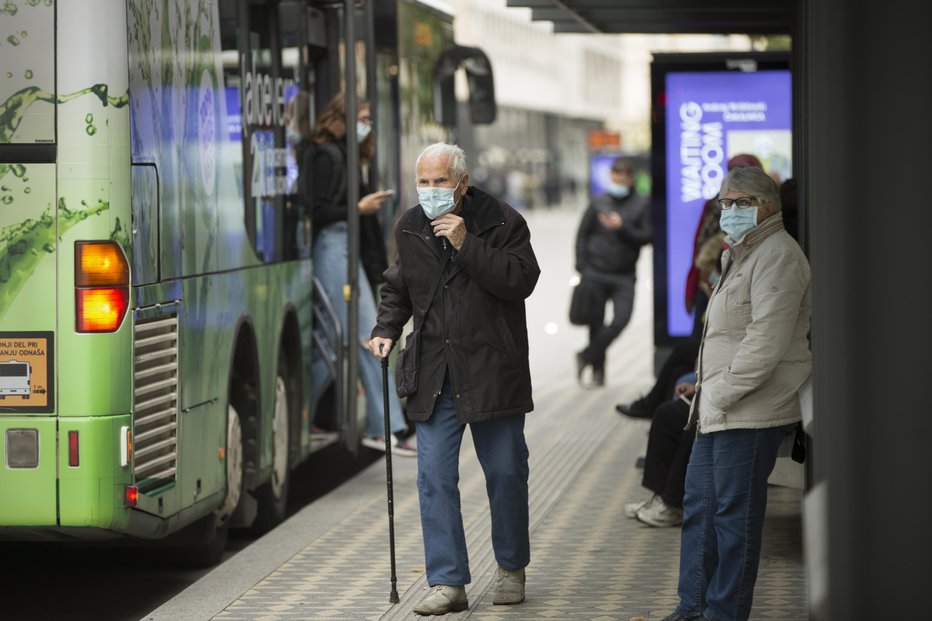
738,222
362,130
436,201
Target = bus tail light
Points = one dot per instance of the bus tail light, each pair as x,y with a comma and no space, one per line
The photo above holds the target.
101,278
131,496
100,310
73,454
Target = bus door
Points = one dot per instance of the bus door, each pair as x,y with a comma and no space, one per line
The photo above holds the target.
29,221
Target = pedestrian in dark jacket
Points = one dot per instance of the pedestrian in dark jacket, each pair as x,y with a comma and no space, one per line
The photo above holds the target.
473,366
608,243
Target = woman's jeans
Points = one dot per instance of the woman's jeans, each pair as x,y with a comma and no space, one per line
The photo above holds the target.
723,520
503,454
330,267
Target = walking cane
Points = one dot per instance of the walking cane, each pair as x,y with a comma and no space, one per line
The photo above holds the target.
393,597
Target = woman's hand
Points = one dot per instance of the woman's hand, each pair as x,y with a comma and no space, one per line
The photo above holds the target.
370,203
685,389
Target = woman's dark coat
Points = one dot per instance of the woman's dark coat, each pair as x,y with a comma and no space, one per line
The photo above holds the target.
476,328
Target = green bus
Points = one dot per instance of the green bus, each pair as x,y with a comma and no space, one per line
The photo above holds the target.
157,306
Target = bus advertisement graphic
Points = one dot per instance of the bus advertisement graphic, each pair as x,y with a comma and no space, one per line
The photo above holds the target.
26,372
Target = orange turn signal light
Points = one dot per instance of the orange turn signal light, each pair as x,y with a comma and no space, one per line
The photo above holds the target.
101,278
100,264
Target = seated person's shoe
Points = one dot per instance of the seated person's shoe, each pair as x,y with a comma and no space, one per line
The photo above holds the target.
509,587
631,509
635,409
443,598
659,514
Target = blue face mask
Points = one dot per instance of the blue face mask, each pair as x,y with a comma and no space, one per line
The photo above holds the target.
436,201
362,131
737,222
618,190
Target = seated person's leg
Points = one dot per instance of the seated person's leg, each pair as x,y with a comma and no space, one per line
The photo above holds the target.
663,453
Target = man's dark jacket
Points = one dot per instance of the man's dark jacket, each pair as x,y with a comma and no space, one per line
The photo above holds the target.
612,252
476,328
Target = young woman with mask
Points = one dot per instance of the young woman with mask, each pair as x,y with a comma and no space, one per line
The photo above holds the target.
326,162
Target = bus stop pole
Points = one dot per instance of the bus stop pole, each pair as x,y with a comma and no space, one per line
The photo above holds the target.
351,289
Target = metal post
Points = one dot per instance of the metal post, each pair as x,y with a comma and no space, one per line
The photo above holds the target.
351,289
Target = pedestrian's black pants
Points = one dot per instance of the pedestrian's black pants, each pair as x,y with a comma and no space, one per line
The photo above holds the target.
619,288
668,449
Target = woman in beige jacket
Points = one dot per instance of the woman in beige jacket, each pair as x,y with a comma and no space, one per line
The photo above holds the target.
753,359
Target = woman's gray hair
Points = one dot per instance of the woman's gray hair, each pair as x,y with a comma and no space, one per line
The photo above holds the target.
752,181
454,154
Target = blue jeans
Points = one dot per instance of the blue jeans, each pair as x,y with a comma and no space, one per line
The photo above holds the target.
330,267
723,520
503,454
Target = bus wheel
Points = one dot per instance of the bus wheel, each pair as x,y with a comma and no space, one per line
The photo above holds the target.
234,461
273,495
209,542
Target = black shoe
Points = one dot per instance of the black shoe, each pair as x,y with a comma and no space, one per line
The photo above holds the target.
598,378
580,366
635,409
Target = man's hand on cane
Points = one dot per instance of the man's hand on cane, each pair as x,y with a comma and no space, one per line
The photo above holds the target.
380,347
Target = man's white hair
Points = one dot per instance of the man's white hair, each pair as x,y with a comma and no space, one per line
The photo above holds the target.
454,154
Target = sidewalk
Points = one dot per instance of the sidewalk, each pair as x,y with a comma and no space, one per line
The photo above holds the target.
330,561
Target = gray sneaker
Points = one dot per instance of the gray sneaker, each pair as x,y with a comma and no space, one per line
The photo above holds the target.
660,514
631,509
443,598
509,587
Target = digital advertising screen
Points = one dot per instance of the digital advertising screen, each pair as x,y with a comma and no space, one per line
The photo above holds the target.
709,116
600,169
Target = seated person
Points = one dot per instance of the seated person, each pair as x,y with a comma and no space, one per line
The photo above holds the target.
668,449
681,360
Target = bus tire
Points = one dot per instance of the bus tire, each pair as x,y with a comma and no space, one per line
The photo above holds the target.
211,543
273,495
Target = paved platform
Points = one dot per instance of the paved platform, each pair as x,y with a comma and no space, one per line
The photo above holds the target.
588,561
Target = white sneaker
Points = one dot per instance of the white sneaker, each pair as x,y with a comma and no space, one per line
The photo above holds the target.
631,509
660,514
400,448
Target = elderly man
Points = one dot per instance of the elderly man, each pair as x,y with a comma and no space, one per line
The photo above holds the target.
464,259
